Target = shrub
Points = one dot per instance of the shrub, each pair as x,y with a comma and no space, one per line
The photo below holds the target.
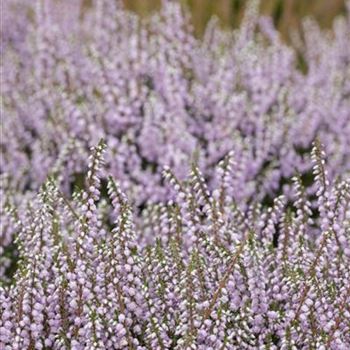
250,251
160,97
215,277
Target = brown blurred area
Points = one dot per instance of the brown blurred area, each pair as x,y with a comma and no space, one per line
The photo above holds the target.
287,14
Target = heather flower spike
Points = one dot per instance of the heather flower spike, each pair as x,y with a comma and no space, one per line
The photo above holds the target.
83,282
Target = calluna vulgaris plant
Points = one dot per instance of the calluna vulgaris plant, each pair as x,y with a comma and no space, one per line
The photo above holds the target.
73,74
214,278
250,251
160,97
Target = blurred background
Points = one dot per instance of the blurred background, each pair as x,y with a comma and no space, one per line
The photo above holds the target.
287,14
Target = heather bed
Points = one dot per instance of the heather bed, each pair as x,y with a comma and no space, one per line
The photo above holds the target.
165,192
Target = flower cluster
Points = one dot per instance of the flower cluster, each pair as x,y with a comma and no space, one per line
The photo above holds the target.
74,73
228,226
160,97
214,276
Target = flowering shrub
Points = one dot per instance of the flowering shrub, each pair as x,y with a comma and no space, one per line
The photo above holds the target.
160,97
250,251
215,277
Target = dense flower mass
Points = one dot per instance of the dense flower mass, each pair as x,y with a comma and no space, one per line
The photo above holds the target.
215,277
160,97
160,191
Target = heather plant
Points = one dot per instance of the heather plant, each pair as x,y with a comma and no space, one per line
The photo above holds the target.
214,276
206,219
161,97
